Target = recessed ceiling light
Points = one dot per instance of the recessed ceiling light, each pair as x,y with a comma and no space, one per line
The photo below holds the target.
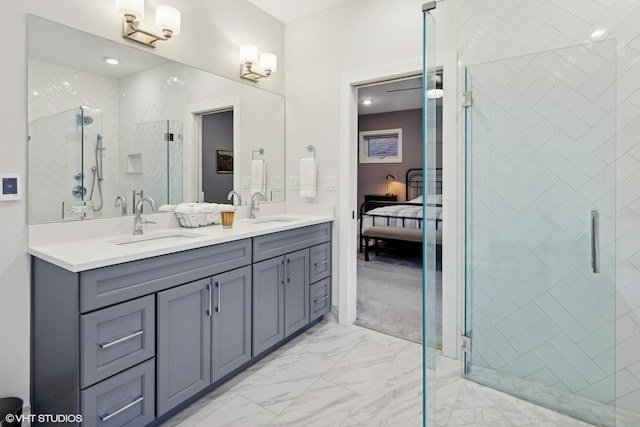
111,61
367,102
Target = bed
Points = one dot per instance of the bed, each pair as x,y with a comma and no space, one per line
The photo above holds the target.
403,221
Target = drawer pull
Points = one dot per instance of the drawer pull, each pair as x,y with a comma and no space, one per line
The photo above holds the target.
317,264
288,270
118,341
282,272
316,301
209,311
107,416
219,307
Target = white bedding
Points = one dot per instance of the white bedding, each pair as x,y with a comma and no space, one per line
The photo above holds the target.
407,211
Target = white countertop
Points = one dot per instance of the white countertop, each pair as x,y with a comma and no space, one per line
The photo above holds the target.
101,251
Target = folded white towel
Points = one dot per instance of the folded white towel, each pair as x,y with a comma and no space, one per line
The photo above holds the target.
258,176
186,208
167,208
308,177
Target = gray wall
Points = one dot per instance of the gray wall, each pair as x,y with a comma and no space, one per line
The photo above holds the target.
371,176
217,134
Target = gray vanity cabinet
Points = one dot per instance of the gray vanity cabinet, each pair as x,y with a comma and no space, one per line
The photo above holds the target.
231,322
184,343
296,291
280,298
204,333
128,343
268,303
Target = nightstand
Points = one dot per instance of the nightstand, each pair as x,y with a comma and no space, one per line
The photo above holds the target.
380,198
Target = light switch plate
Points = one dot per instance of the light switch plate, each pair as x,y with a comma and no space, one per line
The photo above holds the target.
293,183
330,183
276,183
245,182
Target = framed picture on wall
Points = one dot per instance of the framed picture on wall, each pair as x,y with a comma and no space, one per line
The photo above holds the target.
381,146
224,161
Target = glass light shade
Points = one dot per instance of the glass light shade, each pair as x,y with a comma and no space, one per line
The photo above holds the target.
131,7
168,18
248,53
434,93
269,61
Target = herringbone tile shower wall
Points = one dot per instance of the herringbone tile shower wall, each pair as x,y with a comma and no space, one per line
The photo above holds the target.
559,161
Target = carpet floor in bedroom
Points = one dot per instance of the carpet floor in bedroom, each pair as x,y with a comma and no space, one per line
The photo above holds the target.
390,295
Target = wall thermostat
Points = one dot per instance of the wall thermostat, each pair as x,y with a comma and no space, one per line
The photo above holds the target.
10,187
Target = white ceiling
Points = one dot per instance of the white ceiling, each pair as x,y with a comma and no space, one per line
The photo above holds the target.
398,95
55,43
291,10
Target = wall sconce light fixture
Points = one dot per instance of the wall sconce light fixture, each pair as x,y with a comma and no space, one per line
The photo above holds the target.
389,179
249,60
167,22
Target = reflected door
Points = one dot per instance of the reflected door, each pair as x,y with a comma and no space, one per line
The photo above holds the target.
540,228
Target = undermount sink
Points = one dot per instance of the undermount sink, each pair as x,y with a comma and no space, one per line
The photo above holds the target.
174,236
272,219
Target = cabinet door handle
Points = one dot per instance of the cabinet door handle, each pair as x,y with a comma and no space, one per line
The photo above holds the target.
288,270
209,310
595,241
315,301
282,281
317,264
219,288
118,341
108,416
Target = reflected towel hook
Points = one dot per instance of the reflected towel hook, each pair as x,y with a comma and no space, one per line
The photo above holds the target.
260,151
311,148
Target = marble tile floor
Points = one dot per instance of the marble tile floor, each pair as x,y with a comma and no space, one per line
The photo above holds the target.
355,377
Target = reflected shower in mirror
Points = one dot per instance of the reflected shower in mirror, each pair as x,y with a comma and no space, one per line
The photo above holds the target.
100,134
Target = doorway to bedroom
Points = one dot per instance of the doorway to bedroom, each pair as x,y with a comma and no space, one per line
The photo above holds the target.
390,206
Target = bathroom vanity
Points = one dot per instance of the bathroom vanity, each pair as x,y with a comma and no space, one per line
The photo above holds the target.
125,338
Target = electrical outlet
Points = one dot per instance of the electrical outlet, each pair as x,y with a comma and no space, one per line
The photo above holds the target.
245,182
78,209
330,183
293,183
276,184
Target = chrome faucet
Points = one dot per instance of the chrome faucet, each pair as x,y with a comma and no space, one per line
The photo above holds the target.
255,205
123,203
137,220
231,194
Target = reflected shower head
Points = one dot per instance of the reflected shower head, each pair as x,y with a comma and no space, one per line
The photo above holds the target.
83,120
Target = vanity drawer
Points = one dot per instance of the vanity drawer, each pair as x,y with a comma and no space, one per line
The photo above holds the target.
116,338
127,399
320,262
319,298
284,242
110,285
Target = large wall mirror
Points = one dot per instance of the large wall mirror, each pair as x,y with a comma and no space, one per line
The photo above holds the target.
146,126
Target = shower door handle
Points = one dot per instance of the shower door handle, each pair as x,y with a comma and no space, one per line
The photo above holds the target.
595,241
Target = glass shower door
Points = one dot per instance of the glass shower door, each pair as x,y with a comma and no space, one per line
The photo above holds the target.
540,228
428,236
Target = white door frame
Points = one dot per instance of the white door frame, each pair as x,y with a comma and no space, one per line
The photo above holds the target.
347,202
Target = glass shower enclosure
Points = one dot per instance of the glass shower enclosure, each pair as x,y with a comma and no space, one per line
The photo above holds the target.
66,166
429,293
540,228
154,162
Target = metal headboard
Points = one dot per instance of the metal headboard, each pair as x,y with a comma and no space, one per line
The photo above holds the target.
414,179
